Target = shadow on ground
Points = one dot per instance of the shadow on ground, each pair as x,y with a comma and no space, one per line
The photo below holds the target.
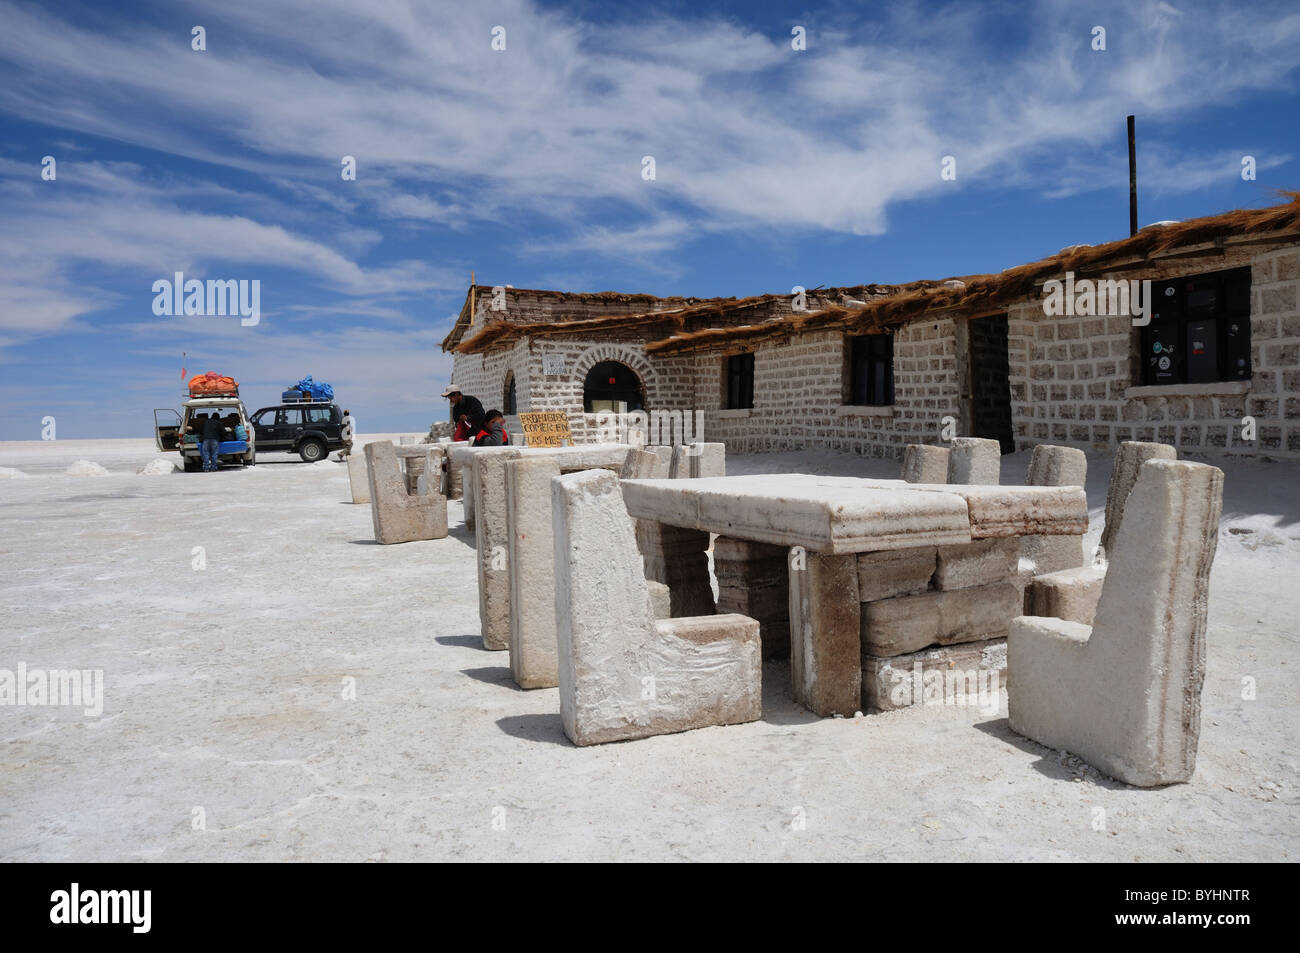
493,675
1048,763
546,728
462,641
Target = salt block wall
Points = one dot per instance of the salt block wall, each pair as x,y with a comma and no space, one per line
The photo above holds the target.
484,375
799,392
1073,378
668,384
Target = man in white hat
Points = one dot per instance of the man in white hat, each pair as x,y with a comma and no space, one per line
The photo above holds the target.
466,412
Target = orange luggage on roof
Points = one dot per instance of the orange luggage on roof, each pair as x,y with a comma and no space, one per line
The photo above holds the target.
213,384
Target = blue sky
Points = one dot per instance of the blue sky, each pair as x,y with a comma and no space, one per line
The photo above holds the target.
774,167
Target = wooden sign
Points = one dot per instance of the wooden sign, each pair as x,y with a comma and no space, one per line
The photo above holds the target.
547,428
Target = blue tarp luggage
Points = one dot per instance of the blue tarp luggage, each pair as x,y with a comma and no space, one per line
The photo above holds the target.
233,446
291,395
316,390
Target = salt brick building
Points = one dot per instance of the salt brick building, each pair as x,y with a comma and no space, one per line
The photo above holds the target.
872,368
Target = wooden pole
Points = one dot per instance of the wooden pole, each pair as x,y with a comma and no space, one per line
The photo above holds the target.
1132,180
471,297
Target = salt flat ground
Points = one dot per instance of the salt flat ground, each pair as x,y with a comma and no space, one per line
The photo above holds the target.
224,702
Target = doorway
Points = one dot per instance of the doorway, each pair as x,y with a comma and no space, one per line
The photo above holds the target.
990,370
611,386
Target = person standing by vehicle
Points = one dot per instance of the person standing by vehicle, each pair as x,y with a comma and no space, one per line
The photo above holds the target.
349,430
466,413
210,436
493,432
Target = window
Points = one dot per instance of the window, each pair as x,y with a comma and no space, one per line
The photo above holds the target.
740,382
290,415
319,415
1199,331
611,386
871,370
508,405
266,418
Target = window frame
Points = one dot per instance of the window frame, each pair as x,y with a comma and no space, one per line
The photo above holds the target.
864,361
738,381
1173,320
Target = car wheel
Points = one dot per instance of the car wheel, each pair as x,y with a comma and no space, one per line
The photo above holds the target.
311,451
191,465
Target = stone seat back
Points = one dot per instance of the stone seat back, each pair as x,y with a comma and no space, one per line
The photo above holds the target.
1125,693
622,673
398,516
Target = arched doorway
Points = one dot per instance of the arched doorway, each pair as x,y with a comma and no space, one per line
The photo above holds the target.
508,399
611,386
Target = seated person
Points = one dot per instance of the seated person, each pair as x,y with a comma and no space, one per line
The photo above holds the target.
493,432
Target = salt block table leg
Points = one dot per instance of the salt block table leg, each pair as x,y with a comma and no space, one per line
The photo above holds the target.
825,633
753,580
679,559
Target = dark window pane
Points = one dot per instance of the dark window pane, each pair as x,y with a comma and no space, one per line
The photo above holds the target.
1236,292
1236,348
740,382
871,369
1164,352
1202,297
1202,351
1199,331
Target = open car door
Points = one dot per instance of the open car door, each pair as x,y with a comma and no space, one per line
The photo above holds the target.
166,428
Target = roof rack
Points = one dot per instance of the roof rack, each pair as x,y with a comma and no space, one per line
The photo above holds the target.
303,400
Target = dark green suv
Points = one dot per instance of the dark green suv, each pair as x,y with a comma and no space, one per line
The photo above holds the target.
310,429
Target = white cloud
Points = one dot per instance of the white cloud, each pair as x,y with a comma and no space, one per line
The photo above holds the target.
98,215
744,129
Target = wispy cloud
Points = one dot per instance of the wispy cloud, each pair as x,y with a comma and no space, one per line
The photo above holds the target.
744,129
470,157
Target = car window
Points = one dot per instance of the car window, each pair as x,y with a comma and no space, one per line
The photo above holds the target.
318,415
265,419
291,415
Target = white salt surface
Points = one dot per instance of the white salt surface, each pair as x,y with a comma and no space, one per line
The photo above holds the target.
9,473
225,689
157,467
86,468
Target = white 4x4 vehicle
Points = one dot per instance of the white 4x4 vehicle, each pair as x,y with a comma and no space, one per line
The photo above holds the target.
172,431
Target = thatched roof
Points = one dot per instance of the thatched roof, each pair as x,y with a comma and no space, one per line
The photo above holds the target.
674,315
632,304
984,293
